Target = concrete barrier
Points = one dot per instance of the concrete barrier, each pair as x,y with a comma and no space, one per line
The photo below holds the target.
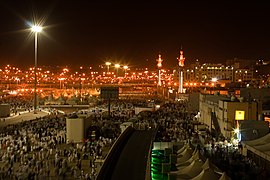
111,159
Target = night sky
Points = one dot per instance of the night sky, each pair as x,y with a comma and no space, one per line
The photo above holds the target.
91,32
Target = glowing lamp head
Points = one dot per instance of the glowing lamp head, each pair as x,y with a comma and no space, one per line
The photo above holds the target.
117,65
108,63
214,79
236,131
125,67
36,28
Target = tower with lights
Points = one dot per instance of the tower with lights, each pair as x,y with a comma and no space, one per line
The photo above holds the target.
159,65
181,61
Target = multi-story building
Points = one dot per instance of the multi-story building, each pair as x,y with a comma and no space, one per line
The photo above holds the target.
206,72
241,63
222,113
261,95
197,73
243,75
218,71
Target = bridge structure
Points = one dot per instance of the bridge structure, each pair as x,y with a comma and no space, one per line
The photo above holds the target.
130,156
125,89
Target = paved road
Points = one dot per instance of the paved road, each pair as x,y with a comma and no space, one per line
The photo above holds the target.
132,162
25,116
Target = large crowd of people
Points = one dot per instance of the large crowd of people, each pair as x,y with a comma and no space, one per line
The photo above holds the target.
175,124
18,103
38,149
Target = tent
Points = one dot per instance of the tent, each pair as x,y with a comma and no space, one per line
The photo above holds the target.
185,155
260,141
182,149
208,165
189,171
195,156
207,174
224,177
260,146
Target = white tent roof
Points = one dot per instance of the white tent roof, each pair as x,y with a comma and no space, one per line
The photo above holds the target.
224,177
192,158
182,149
260,146
260,141
187,148
189,171
207,174
207,164
198,170
186,155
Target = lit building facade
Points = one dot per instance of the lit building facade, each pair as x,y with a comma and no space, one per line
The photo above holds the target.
206,72
223,113
244,75
197,73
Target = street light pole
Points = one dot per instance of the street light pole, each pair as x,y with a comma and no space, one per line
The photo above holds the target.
125,68
108,67
36,30
35,71
117,66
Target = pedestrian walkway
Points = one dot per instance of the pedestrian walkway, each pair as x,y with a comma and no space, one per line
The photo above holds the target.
23,116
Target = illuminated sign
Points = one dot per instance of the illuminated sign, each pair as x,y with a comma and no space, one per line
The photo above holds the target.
239,115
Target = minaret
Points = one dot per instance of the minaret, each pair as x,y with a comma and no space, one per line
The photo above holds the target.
159,65
181,61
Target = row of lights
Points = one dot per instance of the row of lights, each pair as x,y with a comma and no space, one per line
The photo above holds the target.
116,65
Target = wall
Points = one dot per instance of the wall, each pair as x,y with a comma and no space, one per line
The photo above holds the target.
4,110
250,109
139,109
193,103
75,129
225,112
205,110
251,129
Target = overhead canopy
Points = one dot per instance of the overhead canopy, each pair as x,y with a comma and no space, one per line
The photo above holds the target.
224,176
260,146
207,175
190,171
186,154
190,166
183,148
189,161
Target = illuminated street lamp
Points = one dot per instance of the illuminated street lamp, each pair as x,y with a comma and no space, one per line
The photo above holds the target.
214,79
117,66
36,29
17,79
108,65
125,68
61,79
